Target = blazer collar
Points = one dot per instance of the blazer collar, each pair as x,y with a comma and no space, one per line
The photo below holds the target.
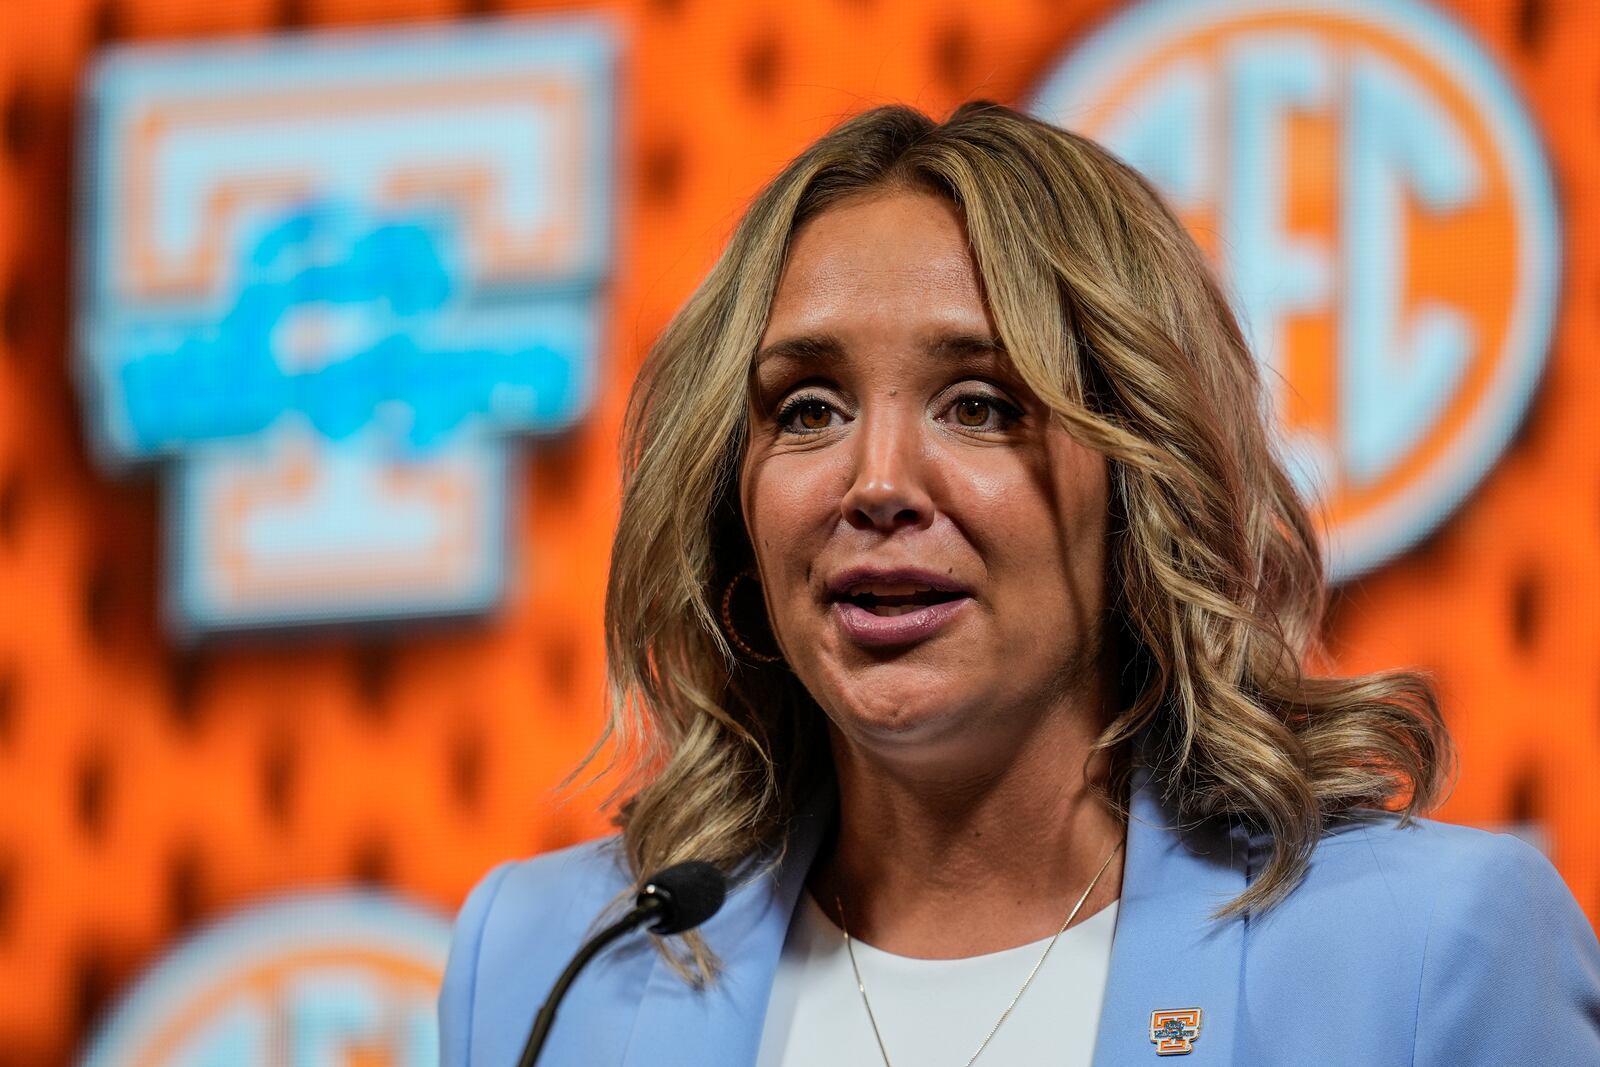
1167,953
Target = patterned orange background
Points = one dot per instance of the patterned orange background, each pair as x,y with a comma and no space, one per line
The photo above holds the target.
149,787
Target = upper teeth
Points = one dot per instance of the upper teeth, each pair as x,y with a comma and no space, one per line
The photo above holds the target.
893,590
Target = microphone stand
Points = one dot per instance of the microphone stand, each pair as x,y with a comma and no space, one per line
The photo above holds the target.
642,913
679,898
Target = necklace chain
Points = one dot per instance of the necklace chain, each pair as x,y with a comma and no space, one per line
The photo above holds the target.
1026,982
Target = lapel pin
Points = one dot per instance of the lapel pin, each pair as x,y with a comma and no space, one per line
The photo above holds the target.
1174,1030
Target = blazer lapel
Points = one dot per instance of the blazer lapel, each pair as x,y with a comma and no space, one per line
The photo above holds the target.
678,1026
1168,953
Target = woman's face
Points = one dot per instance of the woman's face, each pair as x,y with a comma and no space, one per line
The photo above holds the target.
931,548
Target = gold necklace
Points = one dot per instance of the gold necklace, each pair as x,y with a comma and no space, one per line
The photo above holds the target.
850,948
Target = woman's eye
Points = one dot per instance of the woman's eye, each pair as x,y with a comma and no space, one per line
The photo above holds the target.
983,413
806,415
972,412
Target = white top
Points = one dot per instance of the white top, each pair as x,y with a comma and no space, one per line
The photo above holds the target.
934,1013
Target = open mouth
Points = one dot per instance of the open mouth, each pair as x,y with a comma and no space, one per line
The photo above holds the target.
899,600
883,609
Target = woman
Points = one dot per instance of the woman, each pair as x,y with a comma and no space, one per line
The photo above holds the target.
956,593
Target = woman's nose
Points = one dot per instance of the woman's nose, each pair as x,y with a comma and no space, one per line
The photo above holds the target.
888,490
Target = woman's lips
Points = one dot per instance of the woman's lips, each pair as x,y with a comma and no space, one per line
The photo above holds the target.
866,627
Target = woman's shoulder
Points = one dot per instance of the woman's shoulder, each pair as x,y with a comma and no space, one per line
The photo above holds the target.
1412,875
1422,863
519,926
1447,923
1417,846
577,871
549,899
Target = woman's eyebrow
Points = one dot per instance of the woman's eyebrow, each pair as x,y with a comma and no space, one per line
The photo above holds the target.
965,345
826,347
810,348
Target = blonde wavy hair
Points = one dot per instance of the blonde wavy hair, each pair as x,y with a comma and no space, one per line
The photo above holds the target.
1112,317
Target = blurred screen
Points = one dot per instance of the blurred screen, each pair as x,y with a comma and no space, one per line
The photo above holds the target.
317,322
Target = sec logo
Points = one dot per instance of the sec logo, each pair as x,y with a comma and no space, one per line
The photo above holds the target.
1382,214
318,979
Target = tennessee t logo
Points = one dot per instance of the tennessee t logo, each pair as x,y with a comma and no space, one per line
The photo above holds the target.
1174,1030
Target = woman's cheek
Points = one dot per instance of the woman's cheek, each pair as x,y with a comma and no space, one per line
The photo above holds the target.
803,490
786,522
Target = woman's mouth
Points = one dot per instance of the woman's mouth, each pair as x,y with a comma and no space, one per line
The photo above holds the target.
900,600
886,612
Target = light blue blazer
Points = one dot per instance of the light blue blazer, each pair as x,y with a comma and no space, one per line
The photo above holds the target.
1431,945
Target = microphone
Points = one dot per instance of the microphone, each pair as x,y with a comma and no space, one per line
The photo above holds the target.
678,899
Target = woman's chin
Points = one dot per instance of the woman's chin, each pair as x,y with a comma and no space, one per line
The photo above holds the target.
900,708
936,690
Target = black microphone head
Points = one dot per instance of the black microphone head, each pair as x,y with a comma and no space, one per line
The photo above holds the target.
685,895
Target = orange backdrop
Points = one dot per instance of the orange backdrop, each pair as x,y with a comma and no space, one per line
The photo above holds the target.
148,787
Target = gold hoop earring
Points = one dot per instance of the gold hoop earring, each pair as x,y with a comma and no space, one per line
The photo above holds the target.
733,631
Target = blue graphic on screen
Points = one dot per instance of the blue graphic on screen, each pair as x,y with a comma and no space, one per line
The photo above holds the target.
381,291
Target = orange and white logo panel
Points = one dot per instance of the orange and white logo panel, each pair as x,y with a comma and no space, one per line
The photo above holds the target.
1380,210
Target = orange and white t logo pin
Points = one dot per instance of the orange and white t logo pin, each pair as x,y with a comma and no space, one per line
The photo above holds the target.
1174,1030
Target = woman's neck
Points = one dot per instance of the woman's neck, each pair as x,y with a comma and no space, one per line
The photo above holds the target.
944,867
